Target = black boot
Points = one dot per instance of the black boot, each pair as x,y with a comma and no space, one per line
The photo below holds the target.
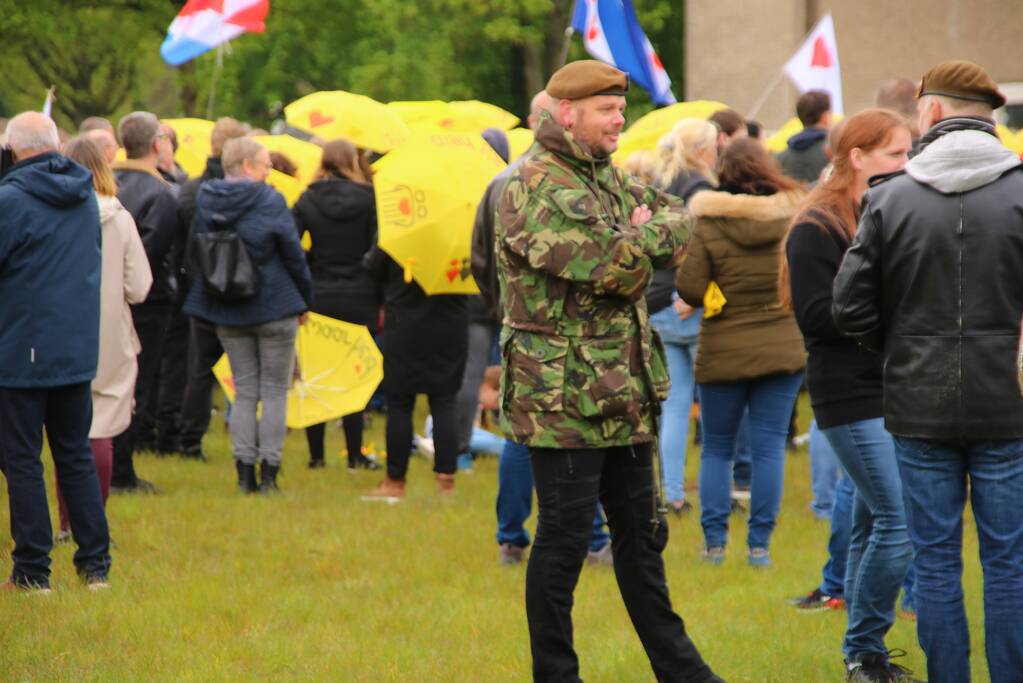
246,477
268,478
361,462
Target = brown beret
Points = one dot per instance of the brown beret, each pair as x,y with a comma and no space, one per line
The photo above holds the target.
961,80
586,78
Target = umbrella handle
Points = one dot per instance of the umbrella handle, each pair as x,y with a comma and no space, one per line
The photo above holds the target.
409,262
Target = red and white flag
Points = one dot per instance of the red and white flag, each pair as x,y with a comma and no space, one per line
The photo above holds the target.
815,64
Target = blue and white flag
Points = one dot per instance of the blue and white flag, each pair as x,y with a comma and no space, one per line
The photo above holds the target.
612,34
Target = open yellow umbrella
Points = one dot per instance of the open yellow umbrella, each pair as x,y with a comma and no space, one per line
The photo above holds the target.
426,193
519,140
193,143
357,118
339,368
466,116
290,187
779,140
644,133
305,155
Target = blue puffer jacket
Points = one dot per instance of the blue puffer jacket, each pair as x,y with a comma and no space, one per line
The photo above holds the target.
267,228
49,274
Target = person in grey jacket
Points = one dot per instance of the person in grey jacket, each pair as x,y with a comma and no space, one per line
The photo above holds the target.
258,333
934,280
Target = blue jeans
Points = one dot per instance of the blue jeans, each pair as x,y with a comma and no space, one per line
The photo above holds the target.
742,469
484,441
675,420
515,499
879,548
833,573
936,479
824,473
770,401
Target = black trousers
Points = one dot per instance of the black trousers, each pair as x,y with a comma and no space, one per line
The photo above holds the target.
352,424
204,350
445,433
568,484
66,413
151,321
170,387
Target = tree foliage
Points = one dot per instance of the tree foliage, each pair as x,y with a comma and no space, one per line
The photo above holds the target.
103,57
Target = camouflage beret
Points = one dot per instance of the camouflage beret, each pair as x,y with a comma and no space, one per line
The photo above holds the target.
961,80
586,78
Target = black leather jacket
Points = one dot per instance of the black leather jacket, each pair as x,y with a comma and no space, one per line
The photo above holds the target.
154,206
934,280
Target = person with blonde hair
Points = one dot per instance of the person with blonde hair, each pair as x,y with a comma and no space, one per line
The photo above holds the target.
125,279
338,211
686,157
641,165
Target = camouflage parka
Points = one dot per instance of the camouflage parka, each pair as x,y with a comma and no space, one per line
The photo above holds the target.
581,366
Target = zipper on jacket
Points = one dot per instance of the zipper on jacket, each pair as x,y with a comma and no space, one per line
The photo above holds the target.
959,313
32,355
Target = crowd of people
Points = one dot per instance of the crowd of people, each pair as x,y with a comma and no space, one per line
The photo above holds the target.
876,262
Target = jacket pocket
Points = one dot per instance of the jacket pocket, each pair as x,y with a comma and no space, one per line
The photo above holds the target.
601,378
534,372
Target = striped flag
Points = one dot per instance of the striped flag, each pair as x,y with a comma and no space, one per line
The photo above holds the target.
204,24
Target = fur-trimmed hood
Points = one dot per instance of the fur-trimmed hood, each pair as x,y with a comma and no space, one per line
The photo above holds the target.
749,220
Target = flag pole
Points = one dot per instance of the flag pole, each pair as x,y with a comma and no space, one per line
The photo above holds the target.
775,82
563,58
213,81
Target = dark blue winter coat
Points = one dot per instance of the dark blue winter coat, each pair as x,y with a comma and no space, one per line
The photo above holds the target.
49,274
267,228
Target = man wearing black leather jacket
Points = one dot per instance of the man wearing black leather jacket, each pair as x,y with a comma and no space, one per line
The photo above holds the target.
934,280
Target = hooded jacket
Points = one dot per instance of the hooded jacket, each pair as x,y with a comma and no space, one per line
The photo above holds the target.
49,274
260,215
340,217
736,244
934,280
803,158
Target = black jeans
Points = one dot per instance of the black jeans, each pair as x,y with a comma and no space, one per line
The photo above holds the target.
151,321
170,388
352,424
204,350
66,413
568,483
445,434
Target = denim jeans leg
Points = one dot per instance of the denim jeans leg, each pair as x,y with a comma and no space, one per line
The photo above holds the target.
934,489
996,489
867,453
674,436
742,465
833,573
514,494
600,536
242,348
824,472
276,365
770,409
721,409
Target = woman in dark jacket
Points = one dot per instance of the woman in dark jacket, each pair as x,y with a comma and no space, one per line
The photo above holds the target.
750,356
845,384
425,346
258,333
339,212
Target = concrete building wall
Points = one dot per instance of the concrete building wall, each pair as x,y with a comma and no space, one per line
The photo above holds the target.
734,48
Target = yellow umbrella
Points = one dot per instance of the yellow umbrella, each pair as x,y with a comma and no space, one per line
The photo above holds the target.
1011,139
779,140
519,140
339,368
471,116
357,118
426,192
305,155
644,133
290,187
193,143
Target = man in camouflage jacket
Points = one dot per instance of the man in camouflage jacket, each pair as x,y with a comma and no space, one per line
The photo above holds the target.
577,243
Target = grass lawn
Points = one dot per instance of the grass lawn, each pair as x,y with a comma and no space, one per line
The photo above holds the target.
314,584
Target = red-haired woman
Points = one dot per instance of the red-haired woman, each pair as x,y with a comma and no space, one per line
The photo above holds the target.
845,384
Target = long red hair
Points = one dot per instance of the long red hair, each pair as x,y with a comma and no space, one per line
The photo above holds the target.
833,201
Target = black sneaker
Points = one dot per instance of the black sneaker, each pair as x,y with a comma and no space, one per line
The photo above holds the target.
876,668
817,601
361,462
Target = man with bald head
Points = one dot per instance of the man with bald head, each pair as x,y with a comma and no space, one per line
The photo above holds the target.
106,142
49,348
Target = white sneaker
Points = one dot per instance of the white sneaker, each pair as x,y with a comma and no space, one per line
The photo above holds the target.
424,444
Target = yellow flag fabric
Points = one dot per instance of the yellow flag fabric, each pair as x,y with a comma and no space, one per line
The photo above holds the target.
713,300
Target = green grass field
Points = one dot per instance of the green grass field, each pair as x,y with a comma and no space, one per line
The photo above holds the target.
316,585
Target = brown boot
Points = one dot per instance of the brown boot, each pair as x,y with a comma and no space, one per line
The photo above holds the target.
445,484
387,491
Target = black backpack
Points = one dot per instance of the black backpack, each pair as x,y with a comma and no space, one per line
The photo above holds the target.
223,263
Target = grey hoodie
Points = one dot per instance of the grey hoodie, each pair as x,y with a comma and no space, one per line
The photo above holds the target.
961,161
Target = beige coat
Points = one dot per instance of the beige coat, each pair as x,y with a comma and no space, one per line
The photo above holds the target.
735,244
126,280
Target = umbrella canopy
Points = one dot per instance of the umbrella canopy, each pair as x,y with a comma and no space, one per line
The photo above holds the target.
644,133
519,140
426,194
470,116
290,187
780,139
357,118
339,367
305,155
193,143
